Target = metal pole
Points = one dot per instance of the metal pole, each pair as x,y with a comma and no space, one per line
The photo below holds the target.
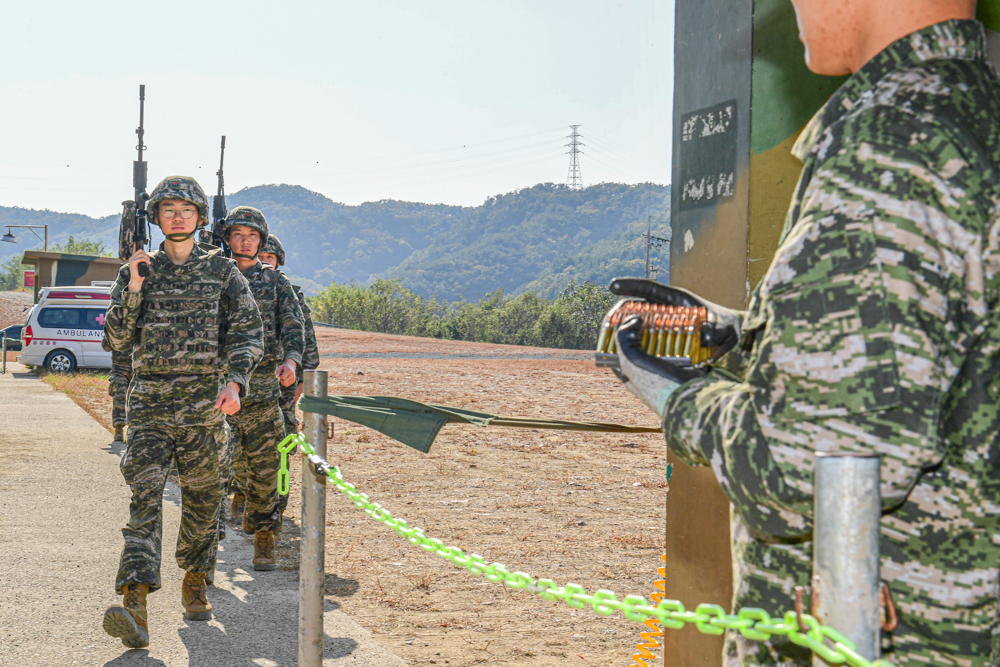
3,347
312,548
46,239
845,583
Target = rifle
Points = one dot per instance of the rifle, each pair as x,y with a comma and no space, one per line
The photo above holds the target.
132,235
219,205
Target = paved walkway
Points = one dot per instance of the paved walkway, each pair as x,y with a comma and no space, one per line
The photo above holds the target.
62,504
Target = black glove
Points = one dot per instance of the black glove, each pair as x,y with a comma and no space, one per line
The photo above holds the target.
650,378
721,332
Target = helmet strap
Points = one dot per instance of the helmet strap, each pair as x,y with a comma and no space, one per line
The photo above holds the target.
242,256
180,238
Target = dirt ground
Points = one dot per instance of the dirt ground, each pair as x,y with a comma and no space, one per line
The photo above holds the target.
573,507
12,307
13,310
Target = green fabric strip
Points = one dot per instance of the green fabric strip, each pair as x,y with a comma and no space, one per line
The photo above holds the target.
416,424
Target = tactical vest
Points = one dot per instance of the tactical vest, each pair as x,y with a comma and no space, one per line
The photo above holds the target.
180,322
264,287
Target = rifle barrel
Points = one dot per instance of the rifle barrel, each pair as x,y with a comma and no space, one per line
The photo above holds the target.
139,184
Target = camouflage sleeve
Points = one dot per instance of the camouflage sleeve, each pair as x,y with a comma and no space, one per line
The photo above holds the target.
122,319
121,367
290,321
310,356
860,327
242,331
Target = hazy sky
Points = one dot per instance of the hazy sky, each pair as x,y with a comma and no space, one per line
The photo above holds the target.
431,101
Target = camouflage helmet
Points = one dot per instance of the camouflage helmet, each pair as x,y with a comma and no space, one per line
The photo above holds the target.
246,216
273,246
179,187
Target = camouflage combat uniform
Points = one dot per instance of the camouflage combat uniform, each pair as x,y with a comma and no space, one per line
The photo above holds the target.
118,382
876,329
310,361
194,328
258,427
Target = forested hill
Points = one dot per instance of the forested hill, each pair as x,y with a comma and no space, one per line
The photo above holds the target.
536,238
546,233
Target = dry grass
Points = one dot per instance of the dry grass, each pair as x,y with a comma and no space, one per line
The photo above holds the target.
573,507
87,388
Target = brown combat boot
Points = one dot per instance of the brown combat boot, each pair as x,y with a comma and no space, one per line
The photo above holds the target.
263,551
128,621
238,507
194,596
119,434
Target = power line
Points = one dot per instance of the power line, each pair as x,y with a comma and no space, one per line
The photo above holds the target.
573,178
652,241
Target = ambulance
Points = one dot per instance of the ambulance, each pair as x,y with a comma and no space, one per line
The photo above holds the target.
65,328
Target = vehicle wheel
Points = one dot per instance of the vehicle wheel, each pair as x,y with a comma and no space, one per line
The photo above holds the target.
60,361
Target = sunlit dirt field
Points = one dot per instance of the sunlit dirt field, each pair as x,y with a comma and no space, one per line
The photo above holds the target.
573,507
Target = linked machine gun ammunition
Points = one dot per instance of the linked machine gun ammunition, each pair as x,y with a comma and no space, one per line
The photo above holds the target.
667,331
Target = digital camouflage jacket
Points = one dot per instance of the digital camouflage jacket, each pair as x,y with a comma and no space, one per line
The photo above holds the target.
196,318
282,319
876,329
310,355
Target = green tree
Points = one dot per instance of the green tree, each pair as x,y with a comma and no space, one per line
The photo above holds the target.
12,273
386,306
585,305
81,247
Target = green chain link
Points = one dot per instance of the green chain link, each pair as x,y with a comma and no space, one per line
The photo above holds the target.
752,623
284,448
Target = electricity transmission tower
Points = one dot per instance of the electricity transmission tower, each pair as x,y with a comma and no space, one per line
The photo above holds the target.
573,178
652,242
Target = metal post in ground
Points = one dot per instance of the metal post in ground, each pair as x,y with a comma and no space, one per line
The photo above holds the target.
3,351
312,572
845,583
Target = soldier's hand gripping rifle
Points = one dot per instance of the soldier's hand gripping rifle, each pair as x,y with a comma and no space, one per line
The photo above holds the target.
219,205
132,236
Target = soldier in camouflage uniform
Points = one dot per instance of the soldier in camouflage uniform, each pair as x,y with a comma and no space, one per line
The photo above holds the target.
196,336
118,382
259,427
274,254
874,330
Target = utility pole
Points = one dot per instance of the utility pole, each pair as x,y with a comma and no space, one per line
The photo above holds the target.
573,178
652,241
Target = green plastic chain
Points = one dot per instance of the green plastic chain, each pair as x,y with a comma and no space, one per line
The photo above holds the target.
284,447
711,619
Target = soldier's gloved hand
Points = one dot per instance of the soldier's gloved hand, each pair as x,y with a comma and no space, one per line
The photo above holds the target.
652,379
722,331
286,373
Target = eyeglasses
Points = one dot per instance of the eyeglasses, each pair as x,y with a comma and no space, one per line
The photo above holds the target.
186,213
